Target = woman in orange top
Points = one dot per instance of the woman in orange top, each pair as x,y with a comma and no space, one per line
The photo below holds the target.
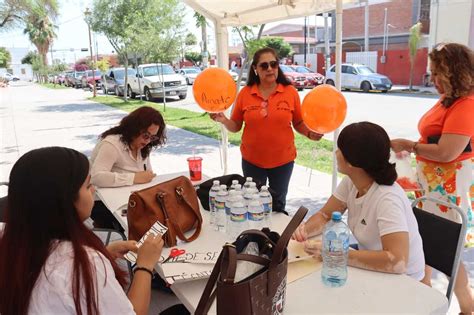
444,152
270,107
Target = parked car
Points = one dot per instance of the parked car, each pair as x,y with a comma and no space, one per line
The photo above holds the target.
91,77
9,77
60,79
190,73
297,79
312,78
114,80
234,75
358,76
69,78
150,79
77,81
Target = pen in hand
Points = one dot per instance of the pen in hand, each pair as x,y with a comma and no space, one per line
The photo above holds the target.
144,167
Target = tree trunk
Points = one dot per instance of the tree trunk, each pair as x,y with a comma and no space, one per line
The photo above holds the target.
412,66
125,87
204,36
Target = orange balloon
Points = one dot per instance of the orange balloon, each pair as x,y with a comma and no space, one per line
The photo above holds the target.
324,109
214,90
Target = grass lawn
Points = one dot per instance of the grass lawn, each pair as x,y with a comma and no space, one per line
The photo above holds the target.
317,155
53,86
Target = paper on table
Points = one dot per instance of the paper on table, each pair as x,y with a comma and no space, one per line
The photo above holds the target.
155,229
298,266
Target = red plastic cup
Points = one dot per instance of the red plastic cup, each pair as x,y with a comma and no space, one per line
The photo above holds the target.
195,168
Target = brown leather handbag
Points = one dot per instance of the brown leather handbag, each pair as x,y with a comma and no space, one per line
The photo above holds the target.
174,203
262,293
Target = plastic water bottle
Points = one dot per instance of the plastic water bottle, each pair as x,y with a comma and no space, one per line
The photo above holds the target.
255,213
234,183
248,180
248,193
266,200
212,200
228,204
220,208
335,251
238,219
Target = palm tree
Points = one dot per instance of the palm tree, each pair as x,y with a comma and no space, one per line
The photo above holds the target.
13,12
413,41
40,31
202,23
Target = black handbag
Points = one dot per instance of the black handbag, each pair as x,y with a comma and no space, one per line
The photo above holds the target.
203,190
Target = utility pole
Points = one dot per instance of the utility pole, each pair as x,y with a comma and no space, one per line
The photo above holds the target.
384,35
87,14
304,49
327,52
366,26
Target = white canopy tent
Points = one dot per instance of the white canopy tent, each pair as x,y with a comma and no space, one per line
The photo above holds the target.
229,13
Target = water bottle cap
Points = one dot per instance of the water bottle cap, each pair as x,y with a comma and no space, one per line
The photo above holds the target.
232,192
216,182
263,188
235,182
249,179
336,216
223,187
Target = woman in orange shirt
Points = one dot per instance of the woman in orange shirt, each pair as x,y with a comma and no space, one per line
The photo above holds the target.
270,107
444,152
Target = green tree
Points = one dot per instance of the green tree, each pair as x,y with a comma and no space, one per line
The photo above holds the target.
190,39
5,57
15,12
28,59
202,23
282,48
413,41
40,30
103,64
195,57
139,27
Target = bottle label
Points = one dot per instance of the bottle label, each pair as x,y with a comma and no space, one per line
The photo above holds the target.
212,202
220,206
255,216
227,210
267,207
237,217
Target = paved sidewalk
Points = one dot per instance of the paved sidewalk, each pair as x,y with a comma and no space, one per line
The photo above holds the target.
32,117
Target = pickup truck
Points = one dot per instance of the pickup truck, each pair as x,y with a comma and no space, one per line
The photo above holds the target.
149,81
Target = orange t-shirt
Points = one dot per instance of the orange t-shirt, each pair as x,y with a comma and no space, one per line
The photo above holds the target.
457,119
268,139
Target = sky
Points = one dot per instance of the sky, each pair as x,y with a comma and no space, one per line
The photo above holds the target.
72,33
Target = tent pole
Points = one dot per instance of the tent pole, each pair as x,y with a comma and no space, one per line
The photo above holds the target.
338,85
222,43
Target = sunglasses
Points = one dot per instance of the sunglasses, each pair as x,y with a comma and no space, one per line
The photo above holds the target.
264,65
147,136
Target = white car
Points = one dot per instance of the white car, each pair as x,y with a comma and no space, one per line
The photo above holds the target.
151,79
190,73
9,77
358,76
234,75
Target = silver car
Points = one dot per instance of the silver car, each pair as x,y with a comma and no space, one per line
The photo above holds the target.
358,76
190,73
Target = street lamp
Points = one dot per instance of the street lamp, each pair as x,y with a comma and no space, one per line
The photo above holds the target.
87,18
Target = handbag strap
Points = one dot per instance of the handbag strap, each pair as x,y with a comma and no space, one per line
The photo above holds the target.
209,293
176,227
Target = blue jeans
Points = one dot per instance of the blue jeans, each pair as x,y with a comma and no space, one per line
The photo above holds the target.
278,180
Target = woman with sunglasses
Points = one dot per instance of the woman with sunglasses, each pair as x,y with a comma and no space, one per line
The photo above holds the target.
270,107
122,157
444,151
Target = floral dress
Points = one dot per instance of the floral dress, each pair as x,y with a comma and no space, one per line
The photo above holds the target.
451,182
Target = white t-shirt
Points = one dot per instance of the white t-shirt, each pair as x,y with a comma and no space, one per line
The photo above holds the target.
382,210
52,293
113,164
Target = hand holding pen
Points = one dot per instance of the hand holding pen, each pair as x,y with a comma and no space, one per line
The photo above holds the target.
144,176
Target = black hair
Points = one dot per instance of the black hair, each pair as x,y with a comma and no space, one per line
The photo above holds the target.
367,145
254,79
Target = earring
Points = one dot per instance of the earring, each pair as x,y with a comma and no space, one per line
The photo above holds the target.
255,72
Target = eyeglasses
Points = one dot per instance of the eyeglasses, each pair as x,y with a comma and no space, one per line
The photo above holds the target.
264,65
147,136
264,110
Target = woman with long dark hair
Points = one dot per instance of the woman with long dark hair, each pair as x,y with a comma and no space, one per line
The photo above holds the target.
50,262
379,213
270,107
122,156
444,152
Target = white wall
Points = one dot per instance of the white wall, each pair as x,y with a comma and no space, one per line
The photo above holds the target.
23,71
310,58
451,21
